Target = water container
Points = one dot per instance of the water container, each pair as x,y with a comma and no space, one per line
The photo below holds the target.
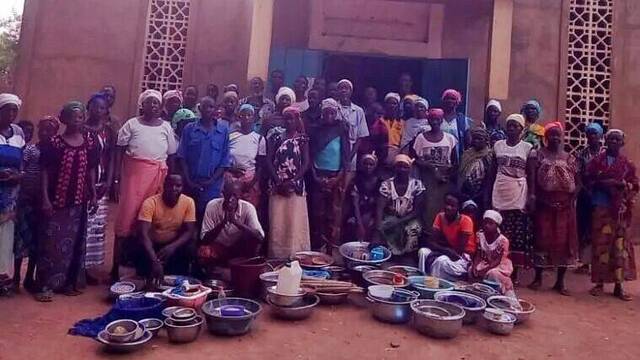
289,279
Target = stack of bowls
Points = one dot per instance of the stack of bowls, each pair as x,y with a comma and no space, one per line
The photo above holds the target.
183,325
498,321
391,307
124,336
519,308
291,307
472,305
221,322
153,325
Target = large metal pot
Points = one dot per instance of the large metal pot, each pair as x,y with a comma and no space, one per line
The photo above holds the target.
230,325
390,311
183,333
417,283
351,252
520,308
298,312
437,319
473,305
357,274
384,277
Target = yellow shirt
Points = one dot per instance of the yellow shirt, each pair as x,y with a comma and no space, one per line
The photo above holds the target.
394,127
166,222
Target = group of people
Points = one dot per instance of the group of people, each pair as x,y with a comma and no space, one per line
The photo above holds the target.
200,181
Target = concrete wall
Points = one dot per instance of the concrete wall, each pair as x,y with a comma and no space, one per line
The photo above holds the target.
67,52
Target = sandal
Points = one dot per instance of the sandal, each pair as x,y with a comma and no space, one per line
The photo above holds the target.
44,296
562,290
71,292
597,290
620,294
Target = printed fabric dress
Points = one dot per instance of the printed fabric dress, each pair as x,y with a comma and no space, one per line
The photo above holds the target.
402,238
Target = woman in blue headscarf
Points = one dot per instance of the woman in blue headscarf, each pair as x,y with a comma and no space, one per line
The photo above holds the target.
534,132
594,133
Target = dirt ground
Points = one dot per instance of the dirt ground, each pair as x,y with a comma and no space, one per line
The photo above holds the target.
575,327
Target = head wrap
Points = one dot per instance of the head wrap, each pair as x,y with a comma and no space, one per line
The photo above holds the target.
553,124
453,93
50,120
292,109
369,156
402,158
435,113
392,95
594,126
469,203
614,131
412,97
479,131
517,118
345,81
172,94
533,103
149,94
493,215
7,98
286,91
247,107
422,101
330,103
99,95
70,107
494,103
180,115
230,94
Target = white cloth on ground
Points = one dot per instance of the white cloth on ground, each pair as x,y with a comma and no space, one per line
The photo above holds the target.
443,267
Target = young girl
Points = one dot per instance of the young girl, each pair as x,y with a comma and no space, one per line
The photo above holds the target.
68,186
361,210
491,260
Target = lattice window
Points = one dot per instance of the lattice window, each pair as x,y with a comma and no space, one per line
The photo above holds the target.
166,44
589,67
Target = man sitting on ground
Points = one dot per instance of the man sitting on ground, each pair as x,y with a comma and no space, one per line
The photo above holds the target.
167,224
451,247
230,229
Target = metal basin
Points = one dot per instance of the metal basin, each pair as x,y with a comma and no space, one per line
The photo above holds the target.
417,283
500,326
390,311
350,252
357,274
437,319
332,298
230,325
152,325
384,277
404,270
183,333
480,290
312,259
299,312
473,305
125,347
508,305
285,300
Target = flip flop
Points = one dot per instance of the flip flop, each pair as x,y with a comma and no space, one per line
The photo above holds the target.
597,291
44,296
71,292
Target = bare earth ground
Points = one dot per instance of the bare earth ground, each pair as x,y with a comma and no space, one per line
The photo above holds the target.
574,327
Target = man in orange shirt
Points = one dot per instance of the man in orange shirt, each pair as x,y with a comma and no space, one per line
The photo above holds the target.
450,249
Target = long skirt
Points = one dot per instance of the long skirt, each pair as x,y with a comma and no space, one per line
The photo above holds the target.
434,198
326,216
556,233
613,257
96,227
7,231
140,180
288,225
249,193
516,226
61,249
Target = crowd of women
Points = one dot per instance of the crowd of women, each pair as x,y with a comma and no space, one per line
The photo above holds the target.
464,198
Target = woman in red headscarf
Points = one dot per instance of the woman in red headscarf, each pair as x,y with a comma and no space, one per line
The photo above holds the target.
554,193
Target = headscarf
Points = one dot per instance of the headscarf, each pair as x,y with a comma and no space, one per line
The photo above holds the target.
345,81
435,112
495,103
595,127
7,98
422,101
471,155
369,156
517,118
172,94
493,215
454,93
96,96
614,131
402,158
330,103
150,93
230,94
535,104
285,91
412,97
55,123
469,203
553,124
180,115
292,109
392,95
247,107
70,107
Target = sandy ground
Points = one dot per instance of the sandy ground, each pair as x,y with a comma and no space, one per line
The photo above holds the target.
575,327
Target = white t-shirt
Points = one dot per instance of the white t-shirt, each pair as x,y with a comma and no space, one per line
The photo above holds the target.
214,215
412,128
510,188
439,152
243,149
354,117
16,140
148,142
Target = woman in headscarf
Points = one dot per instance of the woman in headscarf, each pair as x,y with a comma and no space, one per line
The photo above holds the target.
247,150
230,104
614,183
182,118
455,123
171,102
273,124
360,211
511,191
68,191
12,143
329,149
584,207
143,145
555,185
105,137
30,203
492,113
394,124
437,161
477,167
407,110
415,125
491,260
263,106
287,162
533,132
401,198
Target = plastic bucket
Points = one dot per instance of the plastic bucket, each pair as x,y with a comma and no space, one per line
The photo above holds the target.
245,276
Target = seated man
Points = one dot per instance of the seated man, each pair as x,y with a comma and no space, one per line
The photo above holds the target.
230,229
450,249
167,224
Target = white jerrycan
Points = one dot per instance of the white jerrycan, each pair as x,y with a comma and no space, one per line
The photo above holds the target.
289,278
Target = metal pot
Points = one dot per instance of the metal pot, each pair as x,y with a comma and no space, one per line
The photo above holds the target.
508,305
300,312
501,326
473,305
357,274
230,325
393,312
183,333
332,298
417,283
437,319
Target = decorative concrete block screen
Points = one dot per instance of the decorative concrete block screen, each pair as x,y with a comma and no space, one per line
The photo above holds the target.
589,67
166,43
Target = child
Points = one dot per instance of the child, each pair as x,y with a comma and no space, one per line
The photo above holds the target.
492,262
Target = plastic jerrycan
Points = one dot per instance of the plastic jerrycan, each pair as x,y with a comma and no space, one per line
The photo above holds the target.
289,278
